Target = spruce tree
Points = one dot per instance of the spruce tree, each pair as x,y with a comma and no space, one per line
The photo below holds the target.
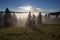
29,22
39,19
1,19
7,18
33,20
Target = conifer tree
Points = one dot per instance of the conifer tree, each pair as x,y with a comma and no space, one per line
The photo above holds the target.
7,18
33,20
1,20
39,19
29,22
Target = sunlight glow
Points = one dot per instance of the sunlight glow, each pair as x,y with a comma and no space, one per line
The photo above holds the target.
33,10
27,8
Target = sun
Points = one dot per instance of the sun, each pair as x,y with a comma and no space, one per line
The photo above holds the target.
28,8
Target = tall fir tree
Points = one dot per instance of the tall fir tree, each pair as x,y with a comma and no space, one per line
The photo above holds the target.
7,18
1,19
29,22
33,20
39,19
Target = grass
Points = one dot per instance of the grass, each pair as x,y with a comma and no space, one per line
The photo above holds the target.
46,32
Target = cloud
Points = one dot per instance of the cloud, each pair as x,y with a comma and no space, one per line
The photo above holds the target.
30,8
24,7
35,9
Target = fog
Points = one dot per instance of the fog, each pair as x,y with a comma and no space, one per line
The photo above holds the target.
22,18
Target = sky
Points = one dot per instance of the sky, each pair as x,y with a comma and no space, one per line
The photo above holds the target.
42,4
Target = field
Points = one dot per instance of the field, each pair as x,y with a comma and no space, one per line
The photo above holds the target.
43,32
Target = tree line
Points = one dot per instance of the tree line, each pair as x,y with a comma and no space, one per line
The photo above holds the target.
9,19
32,21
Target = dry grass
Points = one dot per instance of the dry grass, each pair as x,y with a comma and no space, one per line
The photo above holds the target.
47,32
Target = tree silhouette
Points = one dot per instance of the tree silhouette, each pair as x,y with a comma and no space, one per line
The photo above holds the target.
33,20
39,19
1,20
7,18
29,21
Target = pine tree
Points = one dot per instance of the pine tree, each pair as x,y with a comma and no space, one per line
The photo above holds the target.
39,19
7,18
1,20
33,20
29,22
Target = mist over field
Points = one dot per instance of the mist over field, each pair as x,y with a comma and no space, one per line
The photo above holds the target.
22,18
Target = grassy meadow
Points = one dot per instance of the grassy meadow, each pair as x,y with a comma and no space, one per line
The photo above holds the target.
43,32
